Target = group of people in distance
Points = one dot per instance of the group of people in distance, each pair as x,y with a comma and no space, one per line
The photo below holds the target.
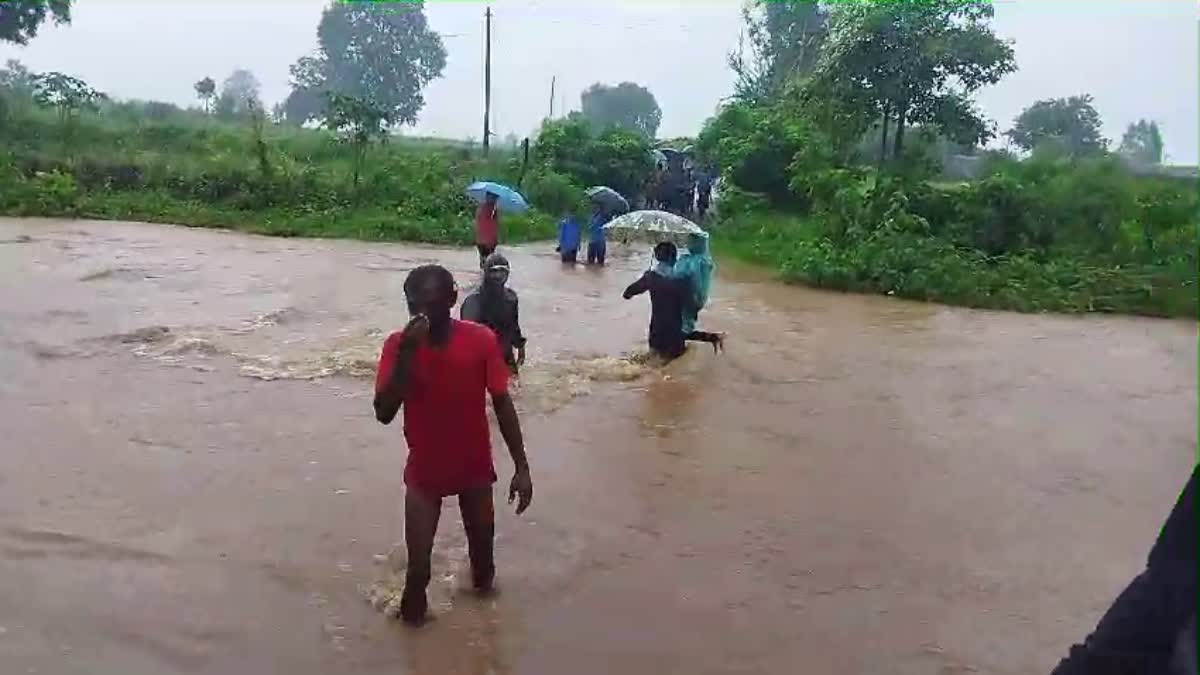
440,371
681,190
570,236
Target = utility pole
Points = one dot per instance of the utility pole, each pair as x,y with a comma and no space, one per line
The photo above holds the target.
552,80
487,84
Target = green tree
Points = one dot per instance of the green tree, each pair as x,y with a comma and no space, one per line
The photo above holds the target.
307,101
912,63
1071,124
627,106
20,19
206,89
69,95
239,95
619,158
381,53
784,43
358,122
1143,142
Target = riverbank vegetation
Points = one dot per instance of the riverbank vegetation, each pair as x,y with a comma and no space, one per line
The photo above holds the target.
833,155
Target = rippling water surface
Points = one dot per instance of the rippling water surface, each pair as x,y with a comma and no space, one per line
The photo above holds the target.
193,482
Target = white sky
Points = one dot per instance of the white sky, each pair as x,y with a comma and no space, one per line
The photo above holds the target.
1138,58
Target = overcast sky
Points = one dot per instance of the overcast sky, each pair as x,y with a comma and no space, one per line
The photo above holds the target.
1138,58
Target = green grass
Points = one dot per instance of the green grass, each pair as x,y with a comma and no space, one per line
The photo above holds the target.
927,268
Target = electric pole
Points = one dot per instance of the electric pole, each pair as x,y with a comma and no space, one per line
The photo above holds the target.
487,83
552,80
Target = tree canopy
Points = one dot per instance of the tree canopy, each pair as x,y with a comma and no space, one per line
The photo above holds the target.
914,63
20,19
206,89
626,106
380,53
239,95
1071,123
1143,142
784,43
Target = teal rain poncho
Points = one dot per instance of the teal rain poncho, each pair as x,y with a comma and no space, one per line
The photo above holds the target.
697,267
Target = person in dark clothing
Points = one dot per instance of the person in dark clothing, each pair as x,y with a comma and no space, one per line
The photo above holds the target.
597,245
703,193
1150,629
495,305
667,298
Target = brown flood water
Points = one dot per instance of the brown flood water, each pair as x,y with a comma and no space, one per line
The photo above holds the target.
192,480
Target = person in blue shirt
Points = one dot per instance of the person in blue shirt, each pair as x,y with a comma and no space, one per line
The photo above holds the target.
569,235
597,248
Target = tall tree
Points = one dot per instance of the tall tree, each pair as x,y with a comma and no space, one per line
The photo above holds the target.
383,54
784,42
627,105
15,78
309,96
1072,123
20,19
239,95
358,122
206,89
915,63
1143,141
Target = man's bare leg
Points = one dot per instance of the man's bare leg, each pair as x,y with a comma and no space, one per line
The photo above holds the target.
479,520
421,514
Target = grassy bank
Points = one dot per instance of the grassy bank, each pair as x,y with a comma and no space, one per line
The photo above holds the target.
895,262
189,169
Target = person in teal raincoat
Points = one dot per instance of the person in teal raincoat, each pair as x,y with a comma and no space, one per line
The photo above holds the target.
697,268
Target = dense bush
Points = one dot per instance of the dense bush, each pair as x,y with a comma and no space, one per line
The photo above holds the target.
1049,233
159,163
617,158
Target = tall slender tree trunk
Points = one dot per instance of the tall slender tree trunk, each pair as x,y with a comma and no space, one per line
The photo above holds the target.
883,145
901,112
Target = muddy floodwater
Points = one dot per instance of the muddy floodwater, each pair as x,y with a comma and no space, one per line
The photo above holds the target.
192,480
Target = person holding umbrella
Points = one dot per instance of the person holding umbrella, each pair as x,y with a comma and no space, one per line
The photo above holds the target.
487,226
607,202
492,199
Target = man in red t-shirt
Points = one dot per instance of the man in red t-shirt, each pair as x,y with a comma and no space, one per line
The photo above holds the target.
441,371
487,226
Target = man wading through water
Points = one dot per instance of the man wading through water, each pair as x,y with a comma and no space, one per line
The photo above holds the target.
495,305
441,370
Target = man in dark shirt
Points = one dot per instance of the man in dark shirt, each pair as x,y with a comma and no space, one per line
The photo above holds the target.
1150,629
495,305
667,297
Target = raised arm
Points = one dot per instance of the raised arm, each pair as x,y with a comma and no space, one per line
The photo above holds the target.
638,287
395,365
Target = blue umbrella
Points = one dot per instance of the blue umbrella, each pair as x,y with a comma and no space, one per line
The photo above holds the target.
510,201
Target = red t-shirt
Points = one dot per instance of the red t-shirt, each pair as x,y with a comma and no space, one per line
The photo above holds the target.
445,415
487,225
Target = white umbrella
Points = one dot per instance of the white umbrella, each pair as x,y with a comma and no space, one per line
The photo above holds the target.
652,227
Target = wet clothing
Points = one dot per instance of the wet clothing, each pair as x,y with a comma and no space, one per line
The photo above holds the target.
697,269
667,298
596,229
445,419
1150,627
596,252
571,256
570,234
487,225
501,313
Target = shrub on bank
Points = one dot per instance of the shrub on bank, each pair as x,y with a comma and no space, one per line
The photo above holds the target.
183,167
